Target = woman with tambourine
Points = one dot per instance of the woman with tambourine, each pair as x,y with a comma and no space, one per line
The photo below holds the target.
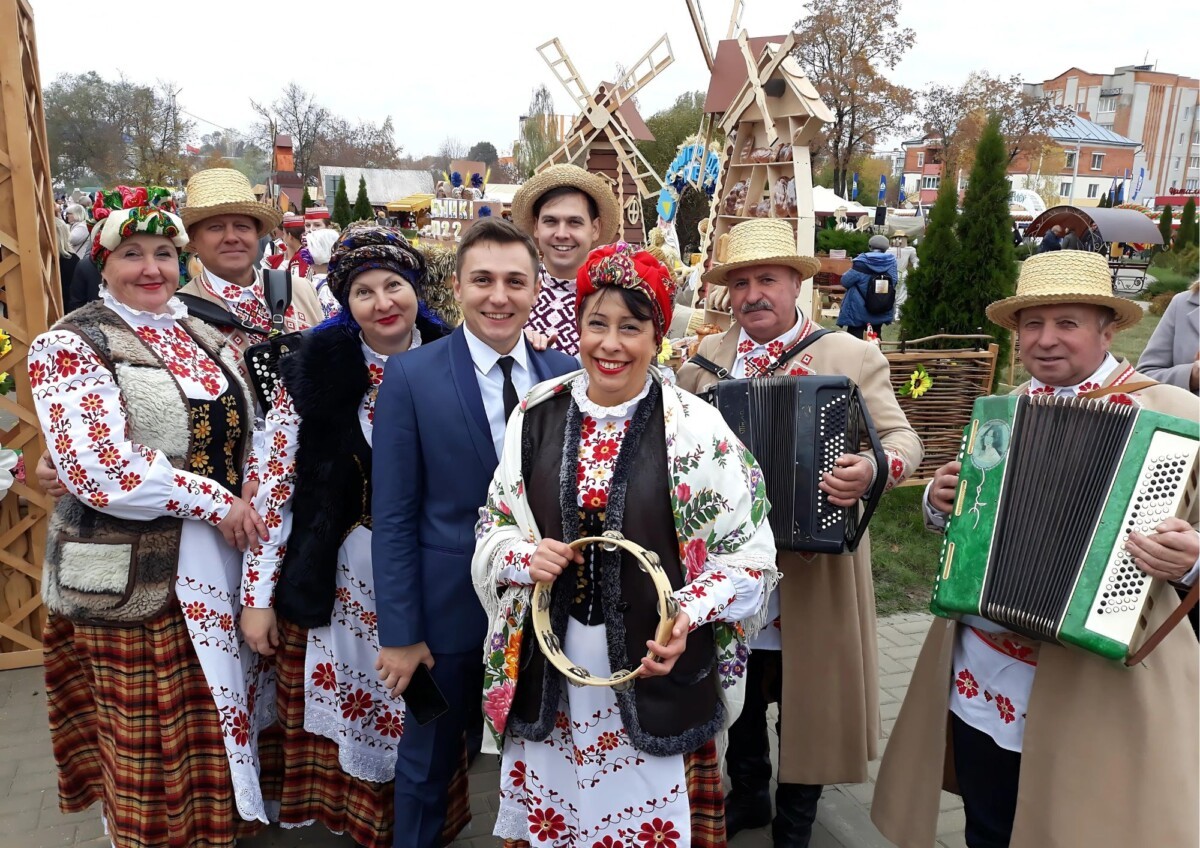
648,622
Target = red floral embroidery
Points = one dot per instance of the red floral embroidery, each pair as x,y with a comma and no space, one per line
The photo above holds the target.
609,842
518,774
67,363
324,676
608,741
595,498
659,834
389,724
239,728
196,611
357,704
1041,390
1120,399
967,686
683,493
1005,707
546,825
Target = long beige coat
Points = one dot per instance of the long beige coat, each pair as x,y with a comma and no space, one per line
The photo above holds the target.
1111,754
830,727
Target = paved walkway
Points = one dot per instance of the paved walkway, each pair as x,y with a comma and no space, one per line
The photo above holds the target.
29,816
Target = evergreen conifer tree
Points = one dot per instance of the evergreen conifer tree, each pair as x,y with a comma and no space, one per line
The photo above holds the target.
1164,226
1187,225
986,267
362,205
341,205
922,312
306,201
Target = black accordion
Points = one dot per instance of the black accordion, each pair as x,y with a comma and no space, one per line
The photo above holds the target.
797,427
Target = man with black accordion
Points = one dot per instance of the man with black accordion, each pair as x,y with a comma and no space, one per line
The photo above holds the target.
1052,745
818,658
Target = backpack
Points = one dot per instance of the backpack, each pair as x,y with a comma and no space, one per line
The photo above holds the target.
880,296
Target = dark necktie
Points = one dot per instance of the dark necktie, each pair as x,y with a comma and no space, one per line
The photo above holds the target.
510,390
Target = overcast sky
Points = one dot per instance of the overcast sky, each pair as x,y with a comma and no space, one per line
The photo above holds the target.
465,69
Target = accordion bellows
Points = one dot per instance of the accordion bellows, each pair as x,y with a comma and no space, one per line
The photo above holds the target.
1050,489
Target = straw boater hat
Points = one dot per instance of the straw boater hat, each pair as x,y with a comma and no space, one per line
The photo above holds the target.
1064,276
761,243
224,191
559,176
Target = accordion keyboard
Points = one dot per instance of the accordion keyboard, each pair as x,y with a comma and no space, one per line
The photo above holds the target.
1116,611
832,442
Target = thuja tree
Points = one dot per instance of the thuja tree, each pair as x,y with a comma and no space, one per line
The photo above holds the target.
923,312
341,205
362,206
1164,225
986,270
1187,225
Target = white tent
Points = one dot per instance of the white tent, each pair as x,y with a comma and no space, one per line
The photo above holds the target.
826,202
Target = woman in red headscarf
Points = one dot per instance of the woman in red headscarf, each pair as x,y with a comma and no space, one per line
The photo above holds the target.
613,448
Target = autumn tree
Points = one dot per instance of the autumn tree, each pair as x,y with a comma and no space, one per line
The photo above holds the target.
297,114
483,151
845,47
539,133
1044,174
360,145
363,211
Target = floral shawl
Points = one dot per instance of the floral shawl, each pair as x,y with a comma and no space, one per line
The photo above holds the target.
721,521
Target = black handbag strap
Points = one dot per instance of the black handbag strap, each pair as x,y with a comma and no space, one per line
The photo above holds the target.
278,285
721,373
214,313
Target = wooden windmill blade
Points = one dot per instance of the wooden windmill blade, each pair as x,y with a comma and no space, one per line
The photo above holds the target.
735,19
574,148
640,73
754,76
560,64
701,31
638,166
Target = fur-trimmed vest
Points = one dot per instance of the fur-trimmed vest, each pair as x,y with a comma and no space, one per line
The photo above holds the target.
110,570
327,377
664,716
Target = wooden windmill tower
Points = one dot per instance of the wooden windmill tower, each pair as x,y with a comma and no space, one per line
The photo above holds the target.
709,120
769,124
602,139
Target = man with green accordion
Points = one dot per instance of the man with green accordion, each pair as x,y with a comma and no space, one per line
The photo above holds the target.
1050,745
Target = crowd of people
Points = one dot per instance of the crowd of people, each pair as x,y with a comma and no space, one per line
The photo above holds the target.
315,607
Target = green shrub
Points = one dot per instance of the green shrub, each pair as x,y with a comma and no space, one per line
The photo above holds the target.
853,243
1160,302
1184,260
1166,282
1024,251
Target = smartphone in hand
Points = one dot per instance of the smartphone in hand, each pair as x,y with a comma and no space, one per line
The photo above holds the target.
423,700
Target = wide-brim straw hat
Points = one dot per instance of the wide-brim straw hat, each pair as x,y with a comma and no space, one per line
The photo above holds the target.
764,242
572,176
224,191
1064,276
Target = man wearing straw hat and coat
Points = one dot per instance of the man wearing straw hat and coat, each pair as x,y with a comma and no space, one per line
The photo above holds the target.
818,658
567,211
1051,746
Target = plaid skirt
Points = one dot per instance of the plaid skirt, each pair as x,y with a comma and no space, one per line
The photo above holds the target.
706,799
134,728
302,771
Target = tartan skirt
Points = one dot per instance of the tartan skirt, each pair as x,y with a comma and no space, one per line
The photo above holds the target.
134,728
706,799
302,771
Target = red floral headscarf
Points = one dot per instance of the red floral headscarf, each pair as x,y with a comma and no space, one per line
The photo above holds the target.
623,266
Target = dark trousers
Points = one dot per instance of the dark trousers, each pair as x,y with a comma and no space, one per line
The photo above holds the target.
860,331
748,758
987,778
427,757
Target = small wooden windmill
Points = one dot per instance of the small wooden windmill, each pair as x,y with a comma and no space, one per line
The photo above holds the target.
602,139
769,124
709,120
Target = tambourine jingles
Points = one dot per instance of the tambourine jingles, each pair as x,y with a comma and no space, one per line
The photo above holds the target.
668,608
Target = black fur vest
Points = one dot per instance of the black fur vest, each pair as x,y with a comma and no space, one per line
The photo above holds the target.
327,378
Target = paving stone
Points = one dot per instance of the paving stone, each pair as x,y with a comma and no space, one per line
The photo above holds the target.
906,652
913,626
889,681
953,840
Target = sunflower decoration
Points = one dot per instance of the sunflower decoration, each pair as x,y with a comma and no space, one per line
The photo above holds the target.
918,384
665,352
6,380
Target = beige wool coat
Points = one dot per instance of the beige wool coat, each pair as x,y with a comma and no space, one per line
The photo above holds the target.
1110,754
830,712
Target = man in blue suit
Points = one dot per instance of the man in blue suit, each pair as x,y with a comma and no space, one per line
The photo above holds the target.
440,419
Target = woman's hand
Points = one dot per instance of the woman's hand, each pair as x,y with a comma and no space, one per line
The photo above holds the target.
667,654
549,560
47,477
260,630
242,526
539,341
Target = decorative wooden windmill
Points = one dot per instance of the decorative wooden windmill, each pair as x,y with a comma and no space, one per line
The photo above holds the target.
709,120
769,124
603,138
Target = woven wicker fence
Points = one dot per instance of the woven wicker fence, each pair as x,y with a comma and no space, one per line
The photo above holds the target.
959,376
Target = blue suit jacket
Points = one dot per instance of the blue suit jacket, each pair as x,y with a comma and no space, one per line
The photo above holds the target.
433,459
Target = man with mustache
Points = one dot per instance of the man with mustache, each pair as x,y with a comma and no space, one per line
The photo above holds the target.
824,608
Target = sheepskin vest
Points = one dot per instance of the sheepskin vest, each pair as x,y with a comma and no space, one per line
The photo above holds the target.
102,569
327,377
664,716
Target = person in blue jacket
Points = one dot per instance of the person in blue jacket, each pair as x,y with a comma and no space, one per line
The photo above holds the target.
870,286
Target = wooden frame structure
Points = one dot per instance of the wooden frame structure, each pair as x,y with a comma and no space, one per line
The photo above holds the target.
30,301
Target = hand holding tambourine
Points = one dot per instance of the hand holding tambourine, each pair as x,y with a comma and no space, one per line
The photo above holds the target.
670,639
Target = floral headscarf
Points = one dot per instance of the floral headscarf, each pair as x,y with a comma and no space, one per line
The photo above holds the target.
623,266
127,212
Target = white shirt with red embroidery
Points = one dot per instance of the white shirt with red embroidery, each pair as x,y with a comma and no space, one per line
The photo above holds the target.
84,417
712,593
344,699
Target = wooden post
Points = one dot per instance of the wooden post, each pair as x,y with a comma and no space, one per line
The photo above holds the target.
30,301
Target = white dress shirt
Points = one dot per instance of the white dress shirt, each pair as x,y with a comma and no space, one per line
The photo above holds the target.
491,380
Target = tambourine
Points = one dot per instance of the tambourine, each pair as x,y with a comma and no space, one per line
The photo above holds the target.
668,608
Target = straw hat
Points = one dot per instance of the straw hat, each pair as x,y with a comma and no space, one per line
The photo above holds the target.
559,176
1064,276
763,242
224,191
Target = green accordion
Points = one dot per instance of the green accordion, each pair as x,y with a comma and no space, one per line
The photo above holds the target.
1049,491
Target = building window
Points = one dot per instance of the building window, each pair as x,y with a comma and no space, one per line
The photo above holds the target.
1093,189
1108,104
930,182
1097,161
921,159
1192,184
1181,138
1108,126
1194,162
1178,159
1071,160
1064,189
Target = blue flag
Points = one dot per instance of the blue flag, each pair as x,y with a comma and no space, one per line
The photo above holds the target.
1137,188
903,196
854,189
882,188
